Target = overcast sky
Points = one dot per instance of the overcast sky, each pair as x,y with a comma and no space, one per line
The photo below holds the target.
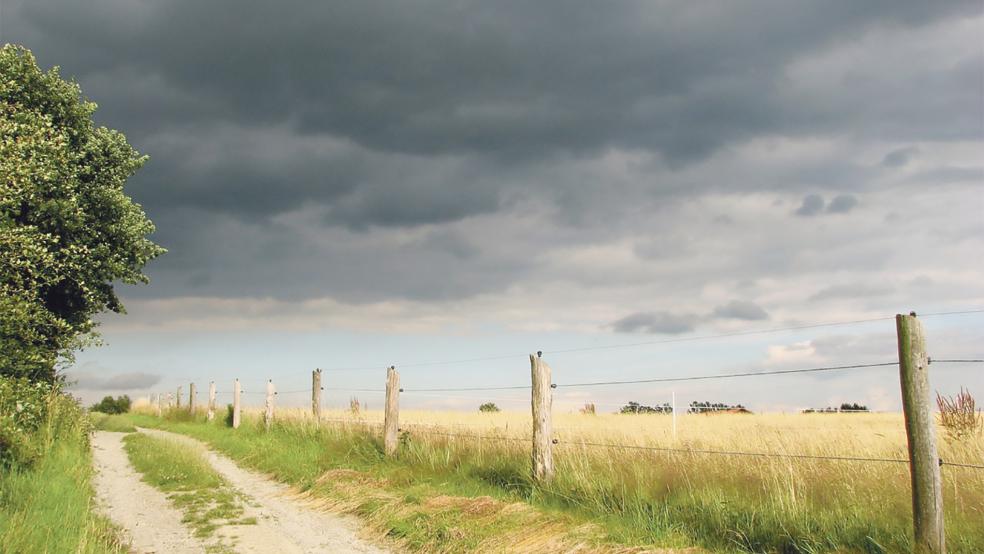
369,183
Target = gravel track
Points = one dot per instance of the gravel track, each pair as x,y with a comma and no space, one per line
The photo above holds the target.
284,525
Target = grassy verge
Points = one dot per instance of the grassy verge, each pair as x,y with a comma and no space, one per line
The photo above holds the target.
105,422
46,497
424,509
451,494
181,470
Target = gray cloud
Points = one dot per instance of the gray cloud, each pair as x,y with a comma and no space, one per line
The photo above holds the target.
900,157
447,150
812,205
741,309
88,381
842,203
656,322
851,291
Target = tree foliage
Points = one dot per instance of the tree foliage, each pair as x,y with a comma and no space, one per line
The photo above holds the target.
488,407
637,408
108,405
68,232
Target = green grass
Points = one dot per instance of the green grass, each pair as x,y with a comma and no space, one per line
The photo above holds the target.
117,422
423,507
426,498
181,471
46,499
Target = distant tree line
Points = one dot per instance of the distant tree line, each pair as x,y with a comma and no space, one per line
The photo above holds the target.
637,408
845,407
704,407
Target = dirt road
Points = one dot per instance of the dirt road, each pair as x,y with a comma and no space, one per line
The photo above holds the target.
151,523
283,525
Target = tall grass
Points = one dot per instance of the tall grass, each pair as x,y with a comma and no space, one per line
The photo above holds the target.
639,497
46,498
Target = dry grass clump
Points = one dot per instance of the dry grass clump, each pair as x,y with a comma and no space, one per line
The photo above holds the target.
959,415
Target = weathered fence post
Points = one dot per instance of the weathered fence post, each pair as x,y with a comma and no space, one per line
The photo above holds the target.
170,401
177,396
211,401
391,417
160,406
316,395
268,415
924,465
543,469
236,416
191,398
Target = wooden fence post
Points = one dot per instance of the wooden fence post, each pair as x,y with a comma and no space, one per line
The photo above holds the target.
191,398
924,465
177,396
391,418
160,407
170,401
211,401
236,416
316,395
268,415
543,469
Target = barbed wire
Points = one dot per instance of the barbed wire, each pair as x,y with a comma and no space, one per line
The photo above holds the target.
693,451
955,464
735,453
726,375
465,435
496,357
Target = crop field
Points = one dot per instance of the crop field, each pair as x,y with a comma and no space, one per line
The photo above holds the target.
725,482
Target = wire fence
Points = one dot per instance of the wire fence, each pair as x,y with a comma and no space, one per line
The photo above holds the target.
442,430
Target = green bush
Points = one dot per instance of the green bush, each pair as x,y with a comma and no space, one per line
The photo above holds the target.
46,502
24,408
108,405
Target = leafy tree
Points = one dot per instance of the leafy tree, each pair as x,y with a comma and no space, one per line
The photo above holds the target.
108,405
67,230
488,407
708,407
636,408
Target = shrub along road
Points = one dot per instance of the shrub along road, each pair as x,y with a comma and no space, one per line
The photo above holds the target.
283,525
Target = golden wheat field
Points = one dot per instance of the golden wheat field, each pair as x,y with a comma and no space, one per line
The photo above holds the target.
706,447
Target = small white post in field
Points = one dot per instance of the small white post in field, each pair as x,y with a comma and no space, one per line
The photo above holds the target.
177,396
191,398
924,465
542,400
316,395
236,415
391,416
211,401
268,415
170,401
160,407
673,411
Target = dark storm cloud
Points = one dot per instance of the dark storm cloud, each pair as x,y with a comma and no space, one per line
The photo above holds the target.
359,119
120,381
